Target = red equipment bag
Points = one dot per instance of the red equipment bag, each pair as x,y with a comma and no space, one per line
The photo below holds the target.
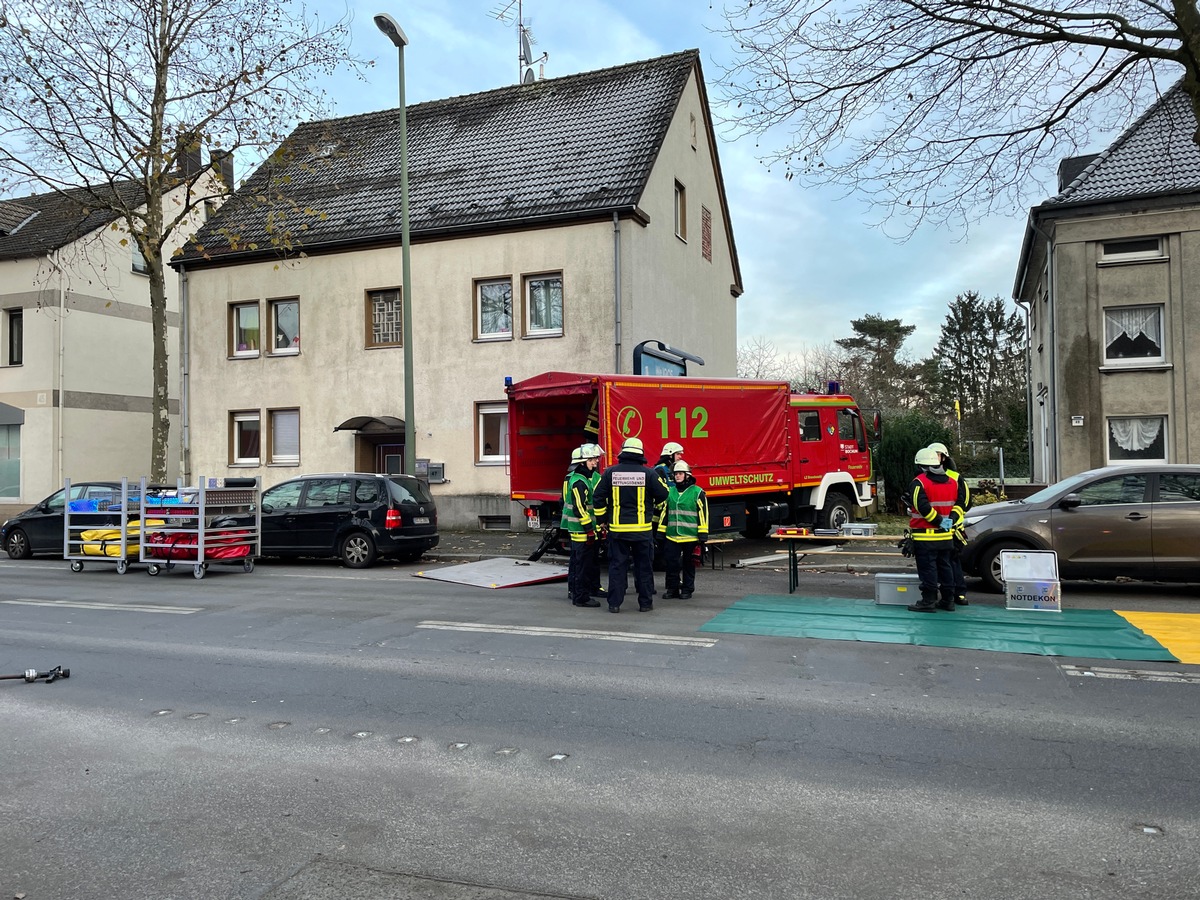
180,545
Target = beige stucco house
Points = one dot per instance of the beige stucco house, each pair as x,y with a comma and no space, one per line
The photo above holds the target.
75,338
1110,277
554,226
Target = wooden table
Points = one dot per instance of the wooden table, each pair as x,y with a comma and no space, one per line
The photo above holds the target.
794,554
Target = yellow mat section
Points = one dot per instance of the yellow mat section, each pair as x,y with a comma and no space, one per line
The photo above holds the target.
1178,632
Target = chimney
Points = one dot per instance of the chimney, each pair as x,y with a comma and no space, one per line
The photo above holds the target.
222,162
187,155
1069,169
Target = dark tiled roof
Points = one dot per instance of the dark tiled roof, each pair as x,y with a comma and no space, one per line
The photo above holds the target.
564,147
60,217
1155,155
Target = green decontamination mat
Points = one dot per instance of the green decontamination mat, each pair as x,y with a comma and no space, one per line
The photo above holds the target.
1088,633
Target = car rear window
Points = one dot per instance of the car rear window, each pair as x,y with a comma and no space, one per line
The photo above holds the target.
409,490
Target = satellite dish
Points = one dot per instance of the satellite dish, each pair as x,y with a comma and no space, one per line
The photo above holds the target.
528,77
526,50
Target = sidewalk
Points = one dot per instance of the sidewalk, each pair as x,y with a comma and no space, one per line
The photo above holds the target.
471,546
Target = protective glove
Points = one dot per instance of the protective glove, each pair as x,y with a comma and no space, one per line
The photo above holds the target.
591,535
947,523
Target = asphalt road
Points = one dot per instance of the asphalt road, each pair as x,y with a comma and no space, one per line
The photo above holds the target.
302,732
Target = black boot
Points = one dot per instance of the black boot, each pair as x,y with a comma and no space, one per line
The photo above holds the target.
925,604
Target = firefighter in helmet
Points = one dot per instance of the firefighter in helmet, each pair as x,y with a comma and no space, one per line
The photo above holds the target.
580,523
684,527
933,499
960,532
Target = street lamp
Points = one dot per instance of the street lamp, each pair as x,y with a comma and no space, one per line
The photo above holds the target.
389,27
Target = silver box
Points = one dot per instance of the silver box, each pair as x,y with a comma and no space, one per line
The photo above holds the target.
1045,595
859,529
895,589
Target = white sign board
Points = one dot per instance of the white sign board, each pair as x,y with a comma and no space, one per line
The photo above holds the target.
1031,580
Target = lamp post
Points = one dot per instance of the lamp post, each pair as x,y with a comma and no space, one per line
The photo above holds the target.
389,27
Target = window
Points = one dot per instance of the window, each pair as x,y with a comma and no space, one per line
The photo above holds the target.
244,433
327,492
491,433
284,437
680,211
285,325
139,259
1178,488
810,425
283,496
1137,439
1133,333
385,318
493,309
14,329
1109,491
706,233
10,461
1127,251
243,329
543,305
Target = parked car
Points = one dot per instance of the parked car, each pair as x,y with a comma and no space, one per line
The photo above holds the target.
39,529
354,516
1141,521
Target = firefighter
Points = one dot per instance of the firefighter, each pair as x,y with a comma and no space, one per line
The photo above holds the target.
672,452
625,500
933,498
959,540
592,454
684,527
580,524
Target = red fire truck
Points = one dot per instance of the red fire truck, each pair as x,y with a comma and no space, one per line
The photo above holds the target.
764,455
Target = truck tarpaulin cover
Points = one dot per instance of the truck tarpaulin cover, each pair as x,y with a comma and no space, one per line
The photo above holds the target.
715,423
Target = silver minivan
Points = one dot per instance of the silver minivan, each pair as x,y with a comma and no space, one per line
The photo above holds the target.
1140,521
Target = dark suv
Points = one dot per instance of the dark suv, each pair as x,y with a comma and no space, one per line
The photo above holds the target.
356,517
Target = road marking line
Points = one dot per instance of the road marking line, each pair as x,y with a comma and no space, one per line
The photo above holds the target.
581,633
130,607
1131,674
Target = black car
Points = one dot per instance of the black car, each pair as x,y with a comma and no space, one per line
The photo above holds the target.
39,529
354,516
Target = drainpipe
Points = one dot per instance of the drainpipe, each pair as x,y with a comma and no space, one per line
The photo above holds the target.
617,291
185,437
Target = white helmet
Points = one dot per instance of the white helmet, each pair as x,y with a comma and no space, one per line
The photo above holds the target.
681,466
633,445
939,447
670,448
577,455
592,451
927,456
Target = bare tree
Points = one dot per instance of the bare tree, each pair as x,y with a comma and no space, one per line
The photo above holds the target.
948,110
101,94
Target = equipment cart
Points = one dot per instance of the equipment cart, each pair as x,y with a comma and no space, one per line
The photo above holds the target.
218,521
102,528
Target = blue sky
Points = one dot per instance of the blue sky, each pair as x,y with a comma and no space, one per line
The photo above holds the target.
810,262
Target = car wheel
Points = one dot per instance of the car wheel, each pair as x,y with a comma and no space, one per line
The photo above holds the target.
989,564
17,545
358,550
836,512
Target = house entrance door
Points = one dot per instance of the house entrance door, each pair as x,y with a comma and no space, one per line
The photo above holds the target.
389,459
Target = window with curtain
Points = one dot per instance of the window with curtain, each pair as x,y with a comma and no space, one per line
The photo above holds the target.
492,432
1137,439
285,322
543,305
243,329
285,437
245,438
1133,333
493,309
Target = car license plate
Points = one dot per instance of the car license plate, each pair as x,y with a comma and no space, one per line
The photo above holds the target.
420,520
534,521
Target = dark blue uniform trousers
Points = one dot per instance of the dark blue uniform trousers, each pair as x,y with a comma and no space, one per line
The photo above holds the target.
621,551
935,571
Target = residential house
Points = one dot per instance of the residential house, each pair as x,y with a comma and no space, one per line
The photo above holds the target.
75,370
1110,277
554,226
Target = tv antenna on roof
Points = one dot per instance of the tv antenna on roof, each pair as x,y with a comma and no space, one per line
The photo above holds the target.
525,38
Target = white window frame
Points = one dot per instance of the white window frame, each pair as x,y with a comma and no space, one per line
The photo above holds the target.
12,316
1134,361
499,455
1111,251
236,419
139,264
293,348
480,334
1135,436
530,330
276,417
681,211
234,348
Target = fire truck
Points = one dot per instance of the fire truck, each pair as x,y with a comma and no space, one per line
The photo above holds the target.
764,455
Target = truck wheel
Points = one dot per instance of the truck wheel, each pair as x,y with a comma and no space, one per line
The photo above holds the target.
989,564
836,512
358,550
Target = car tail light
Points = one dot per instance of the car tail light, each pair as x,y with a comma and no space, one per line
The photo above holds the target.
393,519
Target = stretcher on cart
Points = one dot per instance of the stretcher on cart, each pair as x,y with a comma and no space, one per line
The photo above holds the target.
225,545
